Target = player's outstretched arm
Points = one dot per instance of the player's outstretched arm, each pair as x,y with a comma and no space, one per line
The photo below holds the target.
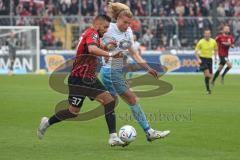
93,49
197,52
137,57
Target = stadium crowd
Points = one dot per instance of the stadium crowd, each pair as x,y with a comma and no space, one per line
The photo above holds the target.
172,29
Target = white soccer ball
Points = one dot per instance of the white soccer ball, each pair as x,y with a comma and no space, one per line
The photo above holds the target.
127,133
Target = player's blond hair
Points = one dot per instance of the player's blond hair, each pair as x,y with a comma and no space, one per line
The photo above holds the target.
118,9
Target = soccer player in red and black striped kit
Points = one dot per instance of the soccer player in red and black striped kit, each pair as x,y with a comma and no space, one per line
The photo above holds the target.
84,75
225,40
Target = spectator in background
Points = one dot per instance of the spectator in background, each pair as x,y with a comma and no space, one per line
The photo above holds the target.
189,29
50,9
237,9
59,43
48,38
180,9
227,8
68,2
147,37
221,10
23,10
161,47
73,9
90,7
3,8
33,9
236,31
142,47
162,12
64,8
84,7
200,26
181,25
136,26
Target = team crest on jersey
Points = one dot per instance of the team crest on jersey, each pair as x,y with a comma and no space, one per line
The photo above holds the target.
124,44
95,36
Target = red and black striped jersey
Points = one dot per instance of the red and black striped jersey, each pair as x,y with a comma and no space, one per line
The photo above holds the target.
85,64
223,49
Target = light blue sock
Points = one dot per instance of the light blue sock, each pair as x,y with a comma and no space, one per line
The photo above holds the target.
140,116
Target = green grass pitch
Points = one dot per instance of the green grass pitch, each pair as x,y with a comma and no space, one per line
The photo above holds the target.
202,127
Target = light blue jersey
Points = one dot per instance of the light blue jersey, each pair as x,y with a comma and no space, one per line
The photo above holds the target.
111,72
124,42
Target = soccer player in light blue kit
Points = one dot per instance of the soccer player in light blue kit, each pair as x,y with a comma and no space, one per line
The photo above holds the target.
112,70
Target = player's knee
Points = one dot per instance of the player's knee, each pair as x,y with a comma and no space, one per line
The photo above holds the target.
132,100
220,68
208,75
74,110
105,98
230,66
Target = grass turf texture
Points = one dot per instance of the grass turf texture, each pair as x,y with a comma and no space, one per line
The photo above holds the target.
210,131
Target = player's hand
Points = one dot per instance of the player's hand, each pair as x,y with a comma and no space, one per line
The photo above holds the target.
229,41
215,60
199,61
116,54
111,46
153,72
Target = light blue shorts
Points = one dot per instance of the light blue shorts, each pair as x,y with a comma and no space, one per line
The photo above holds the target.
114,81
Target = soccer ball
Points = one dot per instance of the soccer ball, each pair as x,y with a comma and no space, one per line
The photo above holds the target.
127,133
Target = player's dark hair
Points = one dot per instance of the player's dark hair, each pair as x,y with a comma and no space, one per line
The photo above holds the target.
103,17
206,29
226,25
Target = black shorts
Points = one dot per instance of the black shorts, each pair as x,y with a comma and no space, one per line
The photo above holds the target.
206,64
223,60
80,88
12,56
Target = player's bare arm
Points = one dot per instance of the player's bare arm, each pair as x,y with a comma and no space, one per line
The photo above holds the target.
93,49
197,53
136,56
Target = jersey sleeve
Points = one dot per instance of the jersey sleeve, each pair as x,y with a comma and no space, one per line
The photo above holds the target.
198,46
217,39
232,39
92,39
131,36
215,44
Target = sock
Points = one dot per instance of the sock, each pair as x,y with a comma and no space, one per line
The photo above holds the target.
113,135
216,75
207,83
140,116
11,66
110,117
60,116
225,71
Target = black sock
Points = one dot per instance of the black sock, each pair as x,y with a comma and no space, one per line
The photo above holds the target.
60,116
11,66
207,83
216,75
225,71
110,117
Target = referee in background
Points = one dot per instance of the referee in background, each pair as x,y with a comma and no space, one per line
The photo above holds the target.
205,49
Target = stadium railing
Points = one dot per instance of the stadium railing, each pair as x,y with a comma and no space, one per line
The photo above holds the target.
153,32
